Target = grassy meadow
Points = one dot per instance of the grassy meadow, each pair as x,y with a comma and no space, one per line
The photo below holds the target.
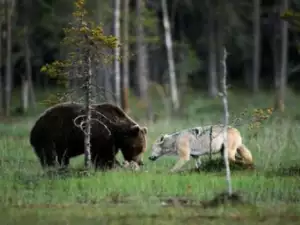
271,192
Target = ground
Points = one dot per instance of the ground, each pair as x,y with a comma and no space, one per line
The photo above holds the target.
270,192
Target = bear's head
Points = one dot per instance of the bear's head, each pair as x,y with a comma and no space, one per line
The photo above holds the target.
133,143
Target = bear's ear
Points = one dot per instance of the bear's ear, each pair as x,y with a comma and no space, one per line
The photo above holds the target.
134,129
145,130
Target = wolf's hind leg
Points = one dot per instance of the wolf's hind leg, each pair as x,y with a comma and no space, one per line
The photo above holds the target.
231,155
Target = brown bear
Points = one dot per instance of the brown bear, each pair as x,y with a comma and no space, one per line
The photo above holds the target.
132,144
55,135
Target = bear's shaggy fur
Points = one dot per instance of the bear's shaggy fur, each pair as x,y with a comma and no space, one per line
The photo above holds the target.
55,135
133,140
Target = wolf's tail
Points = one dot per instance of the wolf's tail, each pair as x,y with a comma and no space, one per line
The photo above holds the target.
245,154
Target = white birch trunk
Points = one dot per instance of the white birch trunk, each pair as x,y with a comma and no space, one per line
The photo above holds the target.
256,52
280,95
8,75
212,55
125,87
142,72
117,51
87,130
168,42
1,59
30,94
226,118
25,94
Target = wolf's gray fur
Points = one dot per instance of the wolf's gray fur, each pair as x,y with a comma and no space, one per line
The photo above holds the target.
202,140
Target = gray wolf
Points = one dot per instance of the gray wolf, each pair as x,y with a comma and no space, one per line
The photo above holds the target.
197,141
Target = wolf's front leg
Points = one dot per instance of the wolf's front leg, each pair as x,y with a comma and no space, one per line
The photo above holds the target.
178,165
198,162
184,151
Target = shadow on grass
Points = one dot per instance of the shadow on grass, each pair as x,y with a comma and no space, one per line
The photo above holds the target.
284,171
218,165
80,172
64,173
218,200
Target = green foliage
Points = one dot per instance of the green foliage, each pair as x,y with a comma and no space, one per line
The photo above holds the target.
150,23
190,63
291,16
254,118
54,99
81,36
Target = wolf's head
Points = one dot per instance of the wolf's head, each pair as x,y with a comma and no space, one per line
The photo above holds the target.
162,146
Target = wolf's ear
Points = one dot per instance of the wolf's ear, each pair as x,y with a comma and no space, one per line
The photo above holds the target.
197,131
162,138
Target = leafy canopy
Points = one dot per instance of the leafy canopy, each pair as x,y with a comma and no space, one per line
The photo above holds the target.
81,36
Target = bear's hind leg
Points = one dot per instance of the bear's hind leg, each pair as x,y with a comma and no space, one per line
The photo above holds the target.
63,159
47,159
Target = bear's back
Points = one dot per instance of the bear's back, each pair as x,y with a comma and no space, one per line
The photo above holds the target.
54,122
113,114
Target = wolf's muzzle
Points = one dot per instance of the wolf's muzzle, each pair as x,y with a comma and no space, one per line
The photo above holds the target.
153,158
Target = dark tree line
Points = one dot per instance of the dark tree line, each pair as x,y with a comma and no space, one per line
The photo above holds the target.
263,49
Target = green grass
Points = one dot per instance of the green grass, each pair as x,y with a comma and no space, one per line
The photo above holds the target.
29,196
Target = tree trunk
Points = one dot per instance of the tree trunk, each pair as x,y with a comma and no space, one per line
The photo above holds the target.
171,64
219,39
88,121
1,63
226,119
30,98
125,83
256,51
142,66
212,75
8,75
24,95
104,71
117,51
280,90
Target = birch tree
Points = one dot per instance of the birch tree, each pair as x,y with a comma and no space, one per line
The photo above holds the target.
105,71
212,58
125,74
226,119
256,43
171,64
280,89
1,59
117,51
28,96
86,44
142,59
9,7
